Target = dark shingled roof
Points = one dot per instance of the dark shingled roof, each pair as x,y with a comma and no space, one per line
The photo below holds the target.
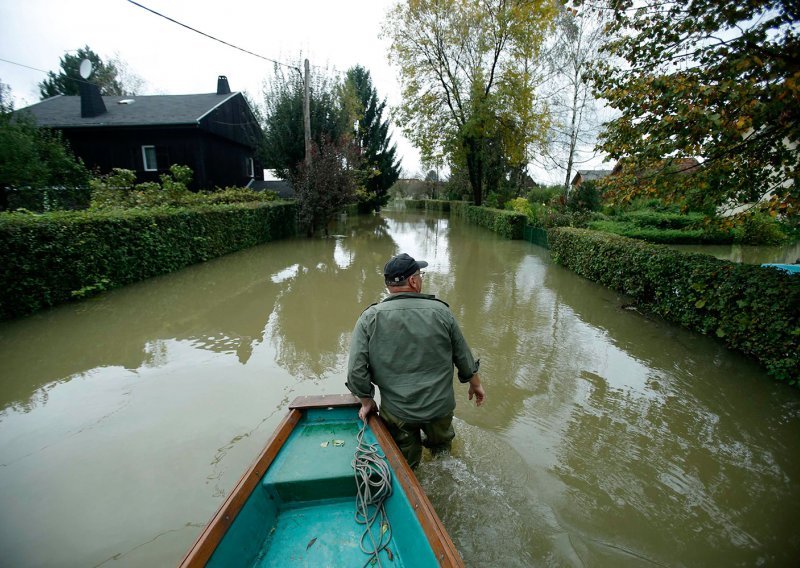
65,111
281,187
590,175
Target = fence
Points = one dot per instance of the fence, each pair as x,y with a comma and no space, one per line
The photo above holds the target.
535,235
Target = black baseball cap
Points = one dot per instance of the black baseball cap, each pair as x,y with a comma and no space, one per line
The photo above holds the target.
401,267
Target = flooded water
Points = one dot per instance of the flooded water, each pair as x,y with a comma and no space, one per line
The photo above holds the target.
608,438
749,254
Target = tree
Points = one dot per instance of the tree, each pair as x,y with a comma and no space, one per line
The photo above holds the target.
33,158
577,41
327,185
104,75
468,89
378,155
284,141
714,79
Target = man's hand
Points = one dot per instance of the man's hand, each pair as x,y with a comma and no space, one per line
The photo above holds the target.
368,406
476,390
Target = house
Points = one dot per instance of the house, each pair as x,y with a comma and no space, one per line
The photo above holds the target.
215,134
681,166
588,175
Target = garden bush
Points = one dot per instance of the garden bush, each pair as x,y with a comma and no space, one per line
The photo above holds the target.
429,204
56,257
750,308
508,224
585,197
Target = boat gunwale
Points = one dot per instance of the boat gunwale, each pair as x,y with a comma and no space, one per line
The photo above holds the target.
443,548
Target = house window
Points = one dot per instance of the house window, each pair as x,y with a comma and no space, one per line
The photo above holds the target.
149,158
250,168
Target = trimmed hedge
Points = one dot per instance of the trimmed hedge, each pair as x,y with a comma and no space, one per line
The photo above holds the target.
508,224
751,308
439,205
663,236
57,257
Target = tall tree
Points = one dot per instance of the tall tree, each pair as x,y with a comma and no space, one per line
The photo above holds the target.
284,140
325,186
468,90
713,79
577,39
67,79
378,154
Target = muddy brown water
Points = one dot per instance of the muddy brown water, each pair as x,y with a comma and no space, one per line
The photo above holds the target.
608,439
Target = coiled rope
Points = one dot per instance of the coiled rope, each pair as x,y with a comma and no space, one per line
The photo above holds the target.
374,486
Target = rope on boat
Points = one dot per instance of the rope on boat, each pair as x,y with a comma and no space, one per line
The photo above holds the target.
374,486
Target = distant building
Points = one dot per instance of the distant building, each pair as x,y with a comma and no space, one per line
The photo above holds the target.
215,134
682,166
588,175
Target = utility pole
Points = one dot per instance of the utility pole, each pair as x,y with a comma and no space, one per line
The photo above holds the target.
307,113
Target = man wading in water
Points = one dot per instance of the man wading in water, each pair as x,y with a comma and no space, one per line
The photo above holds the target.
407,345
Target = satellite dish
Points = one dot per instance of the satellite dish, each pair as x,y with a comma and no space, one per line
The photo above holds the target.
86,68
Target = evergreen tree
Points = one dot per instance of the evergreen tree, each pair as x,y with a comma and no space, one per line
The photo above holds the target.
379,164
284,136
66,81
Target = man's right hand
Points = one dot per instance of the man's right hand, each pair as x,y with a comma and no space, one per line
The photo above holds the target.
368,406
476,390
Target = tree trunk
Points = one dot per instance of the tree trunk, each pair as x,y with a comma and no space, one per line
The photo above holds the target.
573,133
475,169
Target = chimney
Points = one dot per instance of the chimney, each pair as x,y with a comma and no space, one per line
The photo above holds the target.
91,102
222,85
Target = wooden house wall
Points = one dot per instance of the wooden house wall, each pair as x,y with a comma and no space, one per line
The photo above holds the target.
215,161
233,120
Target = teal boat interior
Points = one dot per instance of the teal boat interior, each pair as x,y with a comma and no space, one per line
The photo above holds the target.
790,268
303,510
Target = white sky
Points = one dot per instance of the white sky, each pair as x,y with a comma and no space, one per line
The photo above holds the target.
173,60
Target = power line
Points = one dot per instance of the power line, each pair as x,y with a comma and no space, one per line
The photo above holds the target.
22,65
42,70
174,21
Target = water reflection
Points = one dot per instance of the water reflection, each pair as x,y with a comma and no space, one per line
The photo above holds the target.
748,254
609,438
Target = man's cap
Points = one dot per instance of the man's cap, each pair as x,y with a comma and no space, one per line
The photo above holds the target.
401,267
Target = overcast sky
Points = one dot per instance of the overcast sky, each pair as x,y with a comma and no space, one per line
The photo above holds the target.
173,60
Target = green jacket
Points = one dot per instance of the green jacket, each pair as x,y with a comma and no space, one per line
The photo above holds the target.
407,345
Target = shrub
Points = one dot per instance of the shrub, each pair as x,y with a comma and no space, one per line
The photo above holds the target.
439,205
758,228
56,257
232,195
520,205
544,194
753,309
663,220
508,224
585,197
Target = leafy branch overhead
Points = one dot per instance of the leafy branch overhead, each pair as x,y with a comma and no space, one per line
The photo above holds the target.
714,79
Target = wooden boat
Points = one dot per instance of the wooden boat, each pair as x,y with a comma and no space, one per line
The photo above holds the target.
296,505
